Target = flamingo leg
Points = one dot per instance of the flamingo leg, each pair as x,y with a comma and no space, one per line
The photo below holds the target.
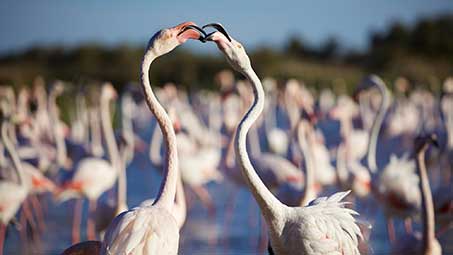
77,221
444,229
262,240
23,230
229,210
91,233
36,206
254,221
190,199
408,225
252,213
29,217
391,230
205,199
2,237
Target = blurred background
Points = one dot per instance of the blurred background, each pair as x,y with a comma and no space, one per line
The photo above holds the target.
316,51
323,42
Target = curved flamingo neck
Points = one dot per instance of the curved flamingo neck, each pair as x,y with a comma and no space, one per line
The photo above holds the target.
106,123
309,192
270,206
341,171
127,127
57,129
12,152
180,207
96,135
167,189
122,184
376,127
427,203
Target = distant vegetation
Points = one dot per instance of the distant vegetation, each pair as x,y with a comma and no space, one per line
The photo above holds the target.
423,53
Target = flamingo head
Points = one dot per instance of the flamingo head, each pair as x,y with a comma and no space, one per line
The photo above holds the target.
422,142
232,49
108,91
167,39
367,83
58,87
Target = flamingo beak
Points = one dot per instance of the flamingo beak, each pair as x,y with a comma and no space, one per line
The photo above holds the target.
434,140
218,27
189,30
220,37
356,95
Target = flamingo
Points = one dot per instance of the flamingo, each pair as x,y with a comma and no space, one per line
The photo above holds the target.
201,161
106,212
12,194
351,174
427,243
62,159
293,195
443,196
94,176
34,181
322,227
396,185
277,138
154,229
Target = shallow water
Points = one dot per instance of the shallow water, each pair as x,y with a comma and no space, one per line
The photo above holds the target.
202,234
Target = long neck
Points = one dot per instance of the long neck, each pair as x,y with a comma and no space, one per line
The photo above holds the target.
12,152
95,130
270,206
180,207
122,184
12,102
309,193
375,129
271,115
57,129
427,203
126,125
342,151
167,189
230,157
106,123
154,149
446,105
341,171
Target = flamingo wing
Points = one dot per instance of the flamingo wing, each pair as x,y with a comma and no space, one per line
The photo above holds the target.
328,227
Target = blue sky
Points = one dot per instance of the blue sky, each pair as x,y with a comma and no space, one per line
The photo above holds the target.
70,22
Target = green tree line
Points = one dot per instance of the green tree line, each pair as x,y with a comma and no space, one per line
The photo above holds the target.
422,52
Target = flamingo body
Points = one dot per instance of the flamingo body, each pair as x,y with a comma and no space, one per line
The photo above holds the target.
93,177
325,226
142,230
11,197
398,187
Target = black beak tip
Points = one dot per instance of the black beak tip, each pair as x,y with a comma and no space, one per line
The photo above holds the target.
219,27
434,140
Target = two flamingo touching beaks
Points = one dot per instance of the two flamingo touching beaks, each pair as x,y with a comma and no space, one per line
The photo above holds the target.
324,226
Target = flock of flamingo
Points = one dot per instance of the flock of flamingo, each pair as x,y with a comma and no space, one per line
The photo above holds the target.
310,184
